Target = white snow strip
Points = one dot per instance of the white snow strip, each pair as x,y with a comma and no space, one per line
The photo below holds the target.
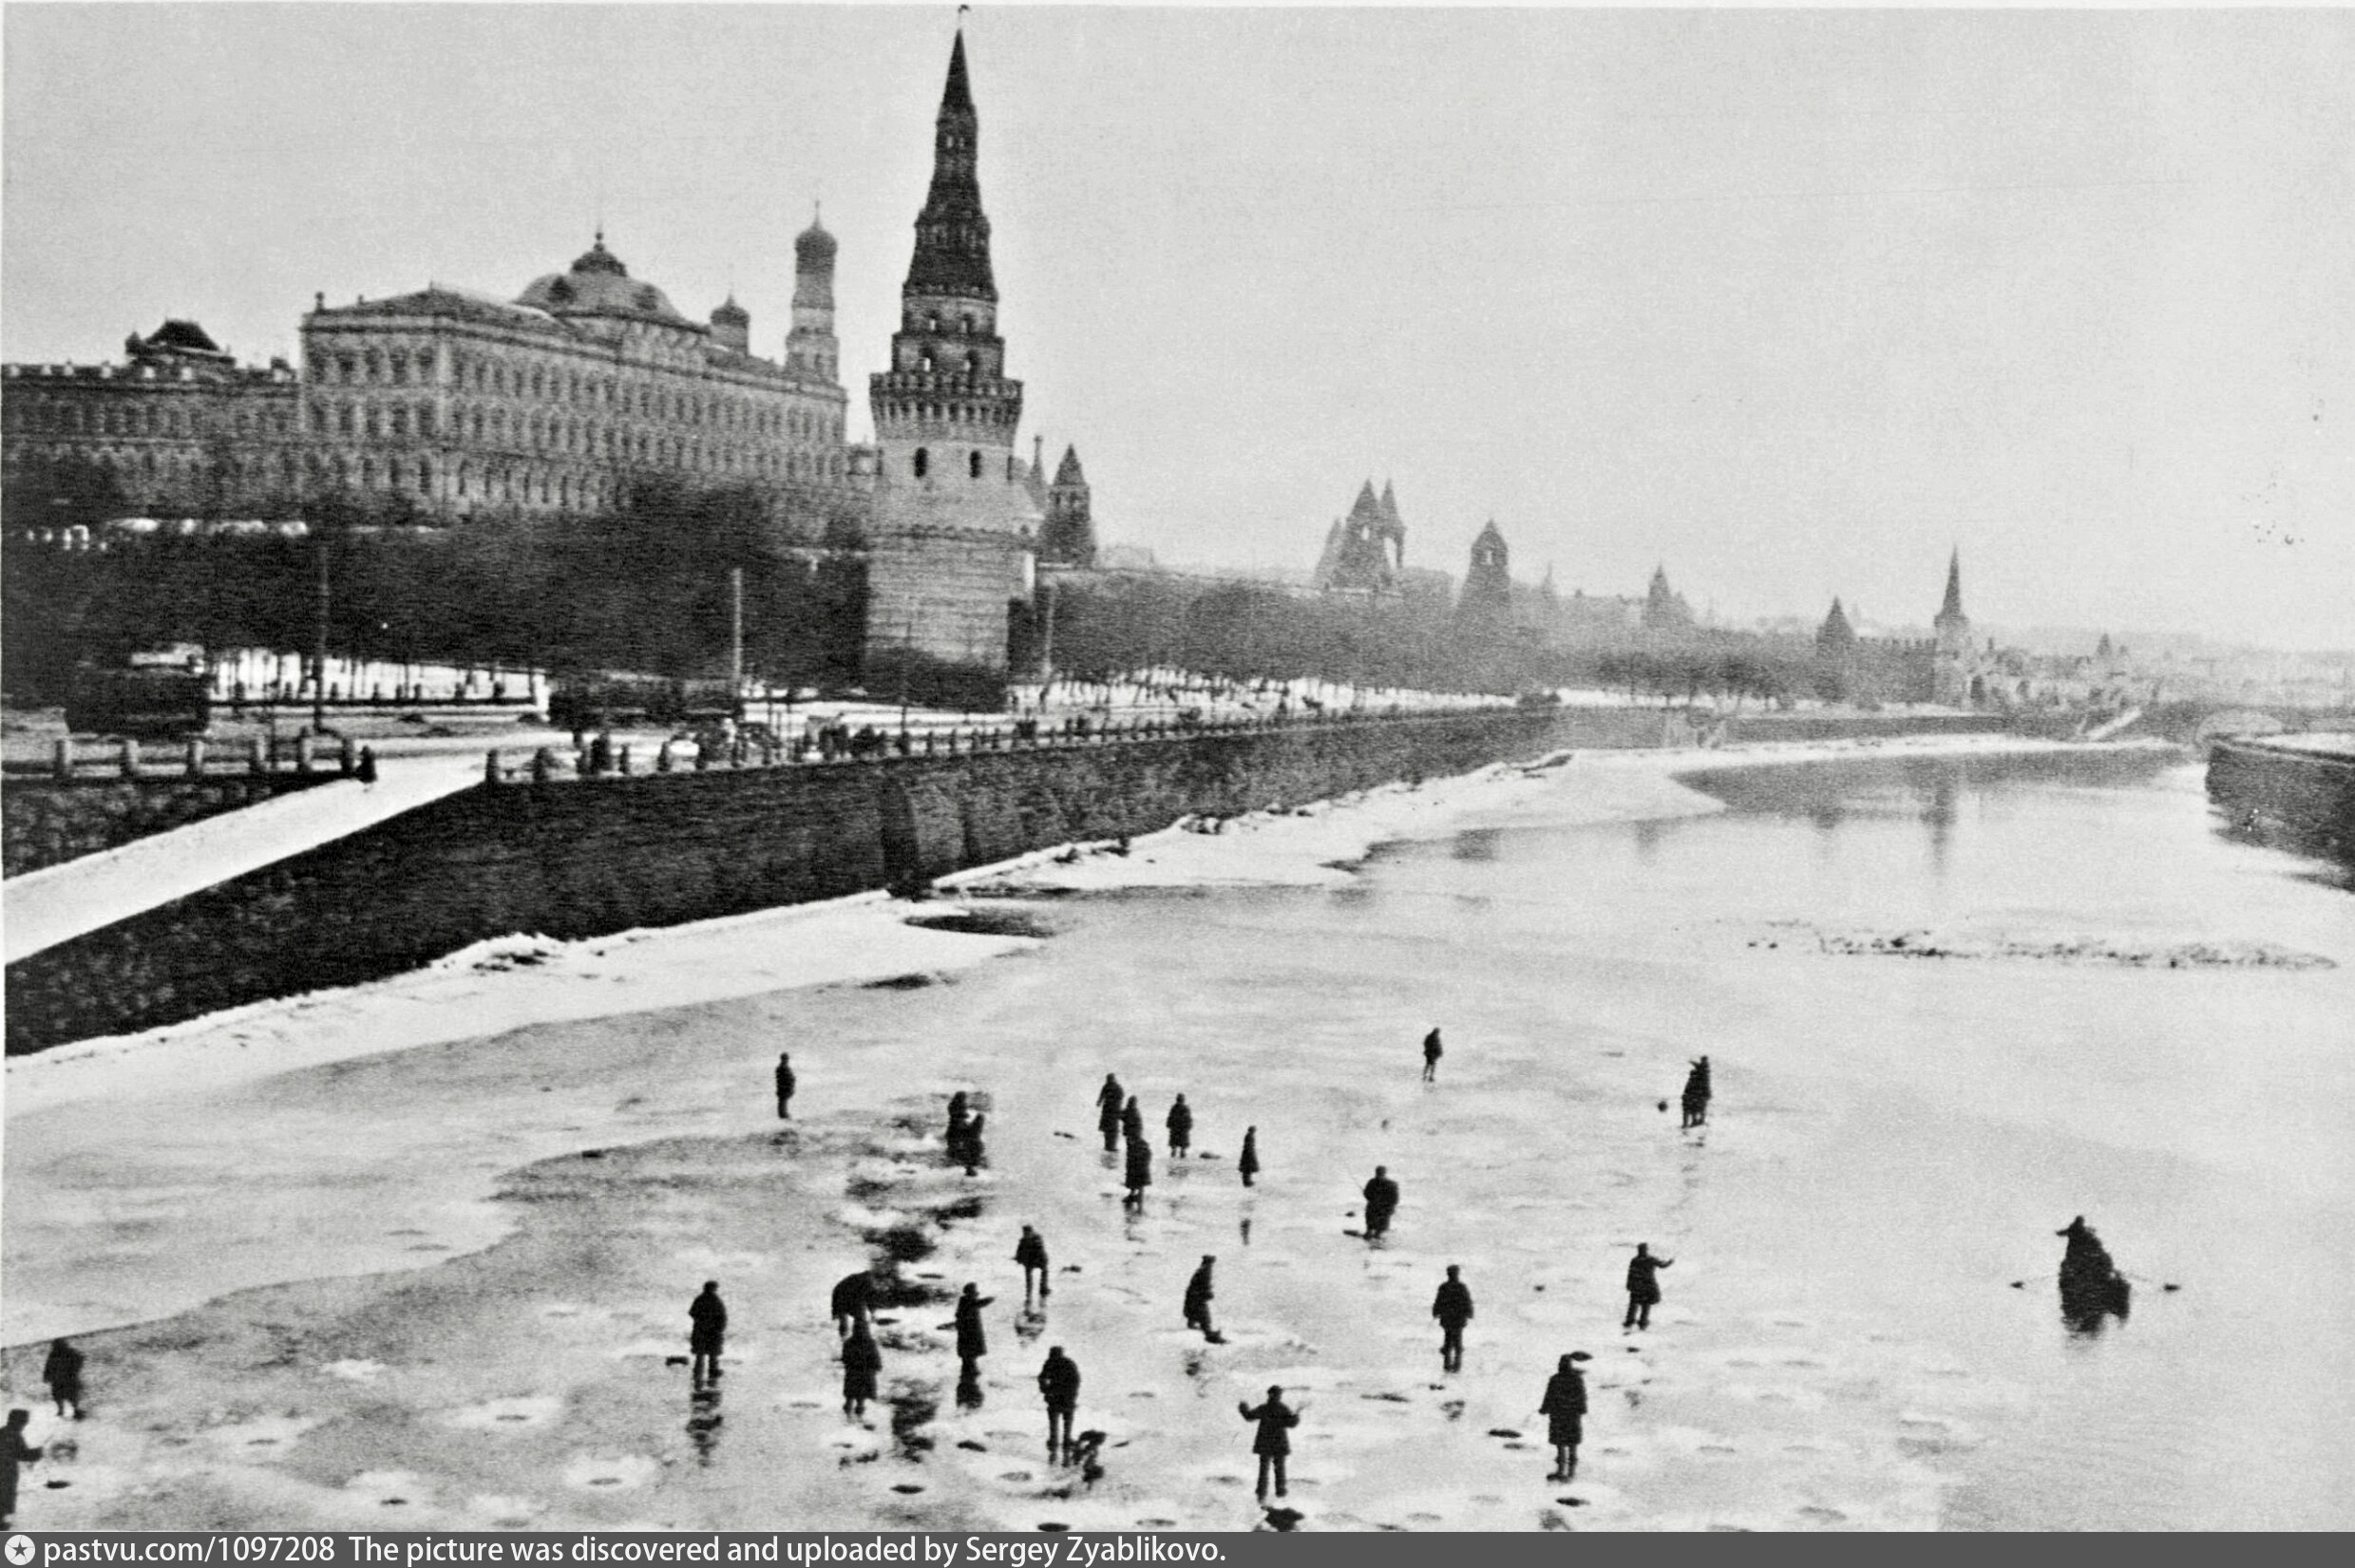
60,902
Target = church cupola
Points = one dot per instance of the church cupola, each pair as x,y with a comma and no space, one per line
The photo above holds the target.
731,327
810,347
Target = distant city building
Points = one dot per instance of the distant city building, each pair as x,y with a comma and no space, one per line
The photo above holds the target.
1068,538
179,429
1664,610
1365,552
1487,596
951,548
557,400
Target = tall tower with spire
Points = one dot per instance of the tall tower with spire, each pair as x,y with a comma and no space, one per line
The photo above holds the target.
1952,660
954,521
809,348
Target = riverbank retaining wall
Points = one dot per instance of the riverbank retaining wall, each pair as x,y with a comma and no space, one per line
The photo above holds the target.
2299,797
46,821
571,859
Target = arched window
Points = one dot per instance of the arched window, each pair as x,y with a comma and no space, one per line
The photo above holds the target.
973,465
923,463
973,365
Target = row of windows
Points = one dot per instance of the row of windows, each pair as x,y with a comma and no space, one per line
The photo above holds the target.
177,417
678,452
584,389
920,463
961,413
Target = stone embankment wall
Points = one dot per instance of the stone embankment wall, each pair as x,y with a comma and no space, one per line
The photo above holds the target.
572,859
2301,797
45,820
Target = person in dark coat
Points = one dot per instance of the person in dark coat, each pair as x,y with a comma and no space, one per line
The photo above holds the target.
14,1454
61,1372
1031,1252
1274,1442
1564,1409
1198,1293
854,1298
960,1119
1697,1093
1058,1384
1249,1164
785,1087
1452,1308
1431,1052
1108,1102
708,1319
1140,1172
1133,1121
1181,1124
863,1363
972,1343
1643,1286
1381,1201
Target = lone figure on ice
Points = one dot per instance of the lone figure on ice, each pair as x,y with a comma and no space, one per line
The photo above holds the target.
1643,1286
1274,1442
1181,1124
1381,1201
1452,1308
1697,1093
14,1453
1140,1171
708,1320
1031,1252
1059,1383
1432,1053
1564,1409
972,1343
863,1364
1198,1293
785,1087
61,1372
1108,1102
1249,1162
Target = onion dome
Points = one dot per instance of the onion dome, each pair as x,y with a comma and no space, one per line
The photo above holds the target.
813,249
729,313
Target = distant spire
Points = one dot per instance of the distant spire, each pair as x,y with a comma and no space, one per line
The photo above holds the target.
1952,609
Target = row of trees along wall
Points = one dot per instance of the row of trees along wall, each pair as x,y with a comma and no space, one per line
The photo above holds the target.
642,587
1106,626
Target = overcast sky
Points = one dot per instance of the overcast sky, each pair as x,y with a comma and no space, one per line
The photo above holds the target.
1791,302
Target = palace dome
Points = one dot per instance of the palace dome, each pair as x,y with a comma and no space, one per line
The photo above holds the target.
598,284
813,250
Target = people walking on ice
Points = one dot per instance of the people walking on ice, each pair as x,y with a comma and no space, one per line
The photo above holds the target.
1431,1052
1381,1201
1108,1102
1697,1093
1181,1125
863,1364
785,1087
1643,1286
1249,1162
1564,1409
707,1319
1133,1121
1198,1295
61,1372
854,1298
1058,1384
972,1342
1273,1442
1140,1171
1031,1252
14,1454
1452,1308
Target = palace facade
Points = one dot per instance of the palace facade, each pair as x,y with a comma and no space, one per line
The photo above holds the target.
557,400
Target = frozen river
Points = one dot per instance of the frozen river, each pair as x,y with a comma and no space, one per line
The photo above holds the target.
2133,1019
